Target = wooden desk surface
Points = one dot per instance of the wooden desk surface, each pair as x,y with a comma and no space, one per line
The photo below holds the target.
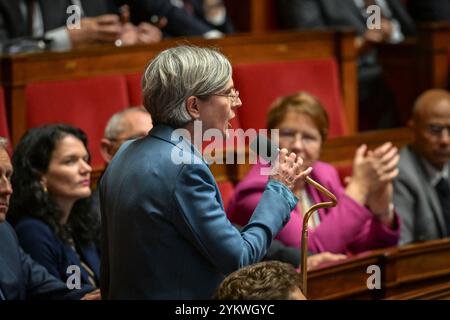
413,271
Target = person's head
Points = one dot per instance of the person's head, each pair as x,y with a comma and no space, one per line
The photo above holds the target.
431,125
303,124
188,83
5,176
268,280
52,172
128,124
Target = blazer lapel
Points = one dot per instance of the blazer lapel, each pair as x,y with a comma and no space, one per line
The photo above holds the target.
430,192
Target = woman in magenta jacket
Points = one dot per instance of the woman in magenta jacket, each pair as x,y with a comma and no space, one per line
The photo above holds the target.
364,217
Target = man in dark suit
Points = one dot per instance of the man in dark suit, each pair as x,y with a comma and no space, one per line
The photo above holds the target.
21,277
205,18
376,101
421,190
99,23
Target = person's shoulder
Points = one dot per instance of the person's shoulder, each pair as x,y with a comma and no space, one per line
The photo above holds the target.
6,232
324,169
32,226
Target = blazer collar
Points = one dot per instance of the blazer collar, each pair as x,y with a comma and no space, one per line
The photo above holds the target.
176,137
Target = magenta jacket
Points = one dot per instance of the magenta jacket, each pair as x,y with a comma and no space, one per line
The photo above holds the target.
347,228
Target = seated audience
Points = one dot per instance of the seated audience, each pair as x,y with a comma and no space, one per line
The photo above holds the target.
20,277
207,18
363,219
268,280
51,212
421,190
99,23
376,101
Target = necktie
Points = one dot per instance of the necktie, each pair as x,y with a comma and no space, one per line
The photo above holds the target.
443,191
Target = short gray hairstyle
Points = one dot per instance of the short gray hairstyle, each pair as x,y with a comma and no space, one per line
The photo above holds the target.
3,142
178,73
115,125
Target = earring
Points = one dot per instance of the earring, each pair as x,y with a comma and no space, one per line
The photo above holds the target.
45,188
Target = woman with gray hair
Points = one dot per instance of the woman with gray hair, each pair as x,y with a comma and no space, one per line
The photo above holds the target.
165,232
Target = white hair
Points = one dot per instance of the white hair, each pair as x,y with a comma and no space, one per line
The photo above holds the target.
116,126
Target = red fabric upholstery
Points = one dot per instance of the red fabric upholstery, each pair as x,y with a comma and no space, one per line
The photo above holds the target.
226,191
260,84
4,132
134,88
86,103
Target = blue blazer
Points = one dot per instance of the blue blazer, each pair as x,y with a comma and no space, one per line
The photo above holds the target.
44,246
22,278
165,232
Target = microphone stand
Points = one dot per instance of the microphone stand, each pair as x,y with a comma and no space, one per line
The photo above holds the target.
306,217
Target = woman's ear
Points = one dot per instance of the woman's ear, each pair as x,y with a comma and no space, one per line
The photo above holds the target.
192,107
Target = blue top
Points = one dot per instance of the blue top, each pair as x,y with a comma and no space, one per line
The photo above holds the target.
45,247
165,233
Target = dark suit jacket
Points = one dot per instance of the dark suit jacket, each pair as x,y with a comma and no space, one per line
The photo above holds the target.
13,24
416,201
310,14
165,233
430,10
179,22
22,278
42,244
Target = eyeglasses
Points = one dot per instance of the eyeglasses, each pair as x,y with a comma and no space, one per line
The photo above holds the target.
437,129
233,95
290,136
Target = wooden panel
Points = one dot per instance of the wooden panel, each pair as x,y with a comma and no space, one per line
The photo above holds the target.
415,271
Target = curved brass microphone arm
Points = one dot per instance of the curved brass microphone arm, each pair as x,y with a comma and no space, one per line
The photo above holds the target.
306,217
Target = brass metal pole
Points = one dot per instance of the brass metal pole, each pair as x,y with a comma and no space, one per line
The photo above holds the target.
306,217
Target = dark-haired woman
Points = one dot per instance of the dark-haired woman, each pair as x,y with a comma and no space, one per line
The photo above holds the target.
51,206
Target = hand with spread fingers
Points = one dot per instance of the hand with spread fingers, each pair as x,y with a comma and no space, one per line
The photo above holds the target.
288,169
371,182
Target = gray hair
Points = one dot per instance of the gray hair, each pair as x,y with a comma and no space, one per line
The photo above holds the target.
3,142
116,126
178,73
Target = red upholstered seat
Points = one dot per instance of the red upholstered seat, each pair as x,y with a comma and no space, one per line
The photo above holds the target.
4,130
86,103
134,88
260,84
344,171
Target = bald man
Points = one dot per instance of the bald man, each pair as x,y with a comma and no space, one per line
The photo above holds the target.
131,123
421,190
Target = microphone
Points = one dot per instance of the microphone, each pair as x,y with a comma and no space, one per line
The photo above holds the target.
263,147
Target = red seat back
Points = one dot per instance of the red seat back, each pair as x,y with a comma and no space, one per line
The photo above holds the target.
134,88
86,103
260,84
4,130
